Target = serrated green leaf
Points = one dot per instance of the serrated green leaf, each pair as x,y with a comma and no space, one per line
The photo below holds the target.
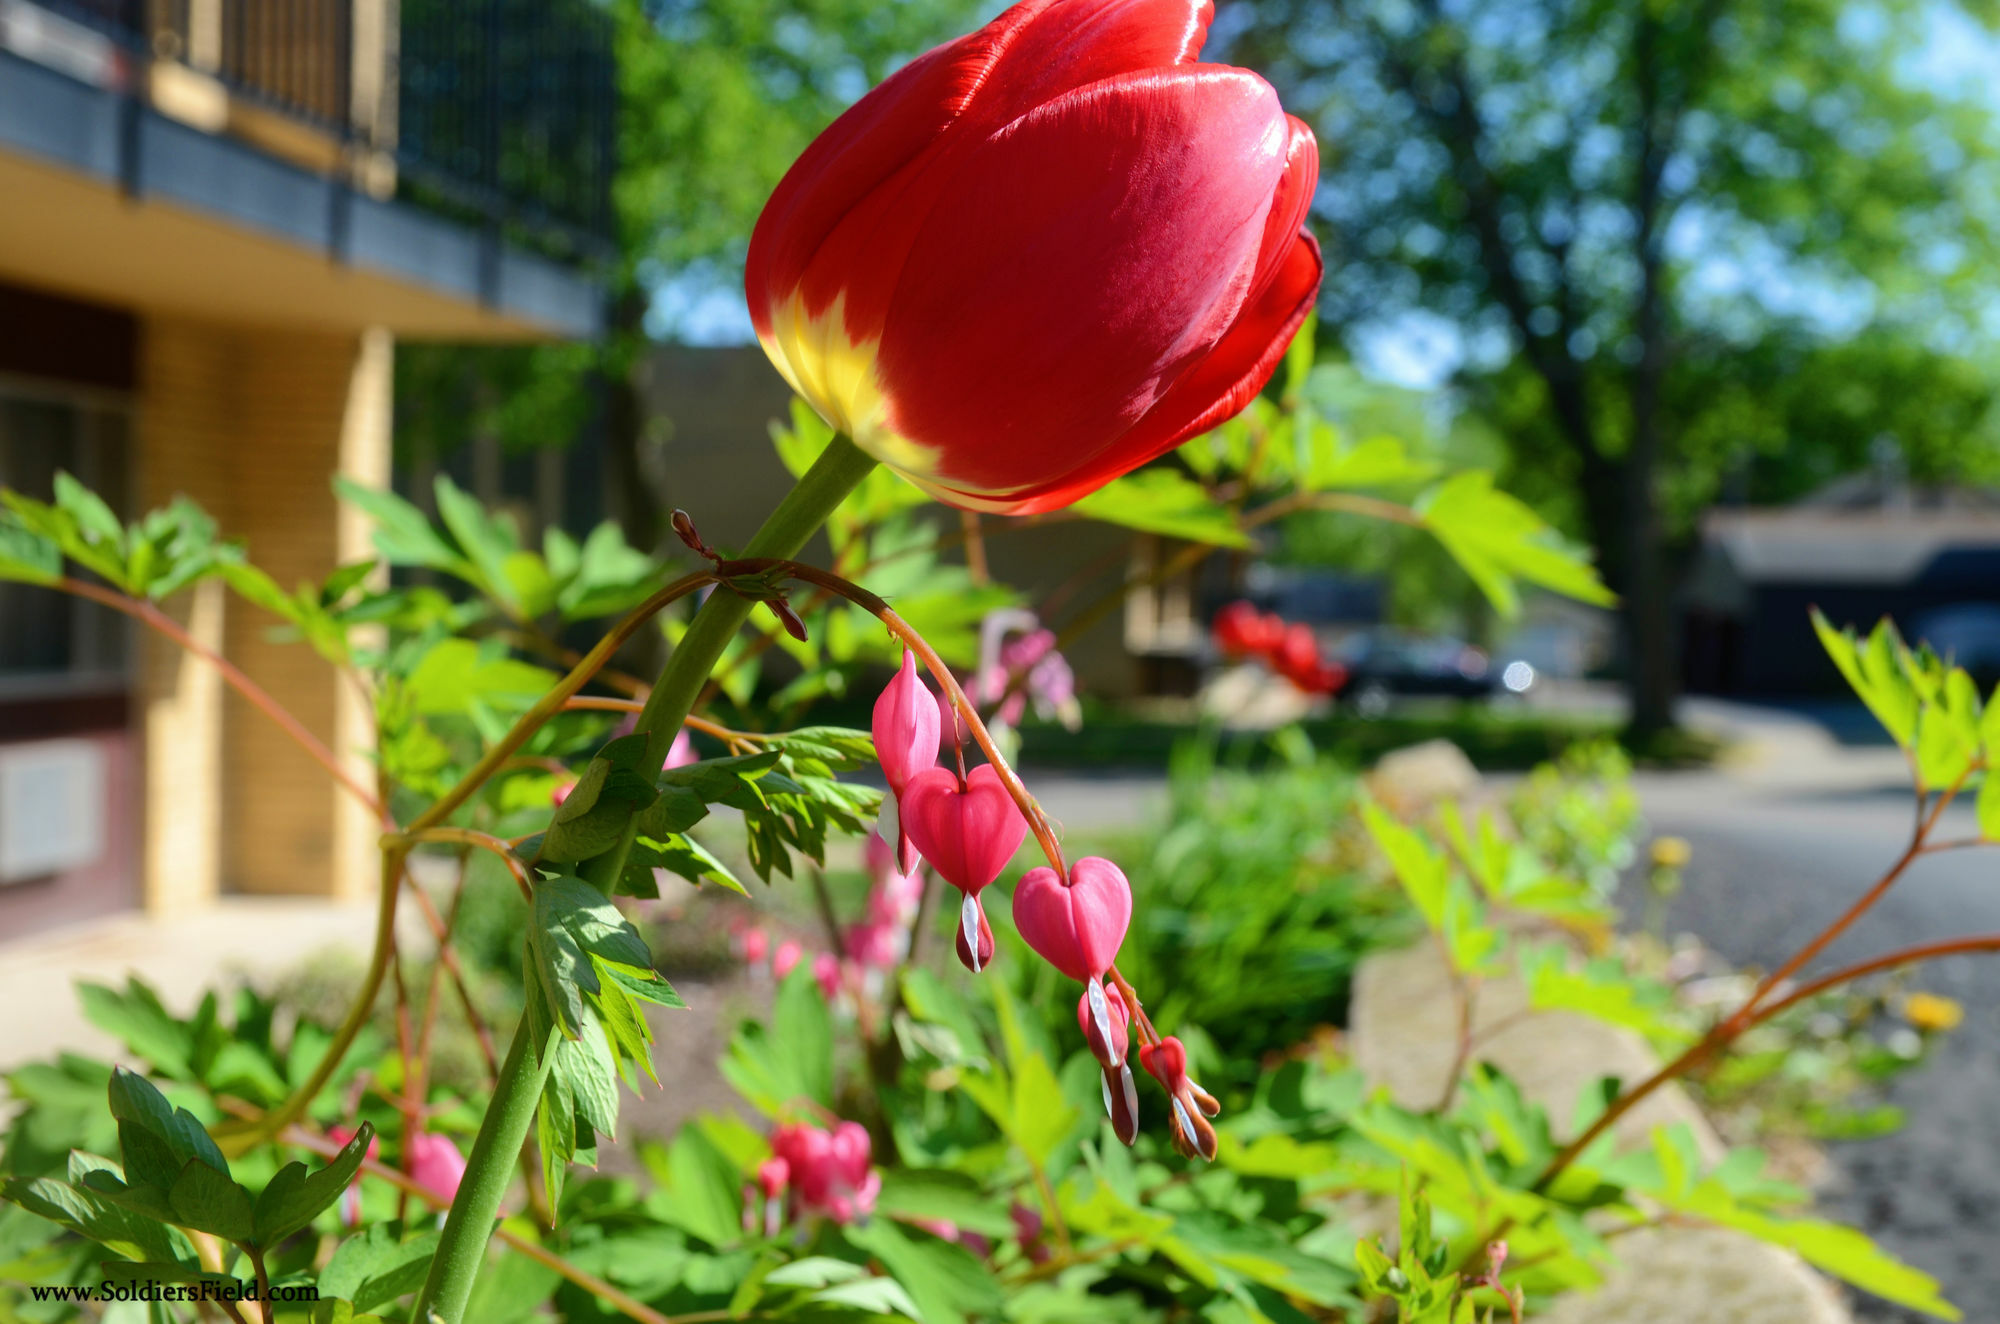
27,556
1166,502
1497,539
138,1104
402,534
378,1264
295,1197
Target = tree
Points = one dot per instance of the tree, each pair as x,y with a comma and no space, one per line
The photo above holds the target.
1610,198
715,100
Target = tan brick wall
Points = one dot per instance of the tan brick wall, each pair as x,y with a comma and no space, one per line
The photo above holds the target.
253,423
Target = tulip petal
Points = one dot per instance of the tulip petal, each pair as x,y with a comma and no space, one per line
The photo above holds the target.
1211,392
1119,229
1028,55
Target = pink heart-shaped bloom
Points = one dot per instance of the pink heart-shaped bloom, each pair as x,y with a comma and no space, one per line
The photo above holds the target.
1077,926
968,835
905,726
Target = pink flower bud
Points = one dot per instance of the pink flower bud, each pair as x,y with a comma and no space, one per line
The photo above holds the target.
1192,1106
773,1174
787,956
1077,926
968,834
561,793
826,970
681,752
829,1171
435,1164
752,944
905,727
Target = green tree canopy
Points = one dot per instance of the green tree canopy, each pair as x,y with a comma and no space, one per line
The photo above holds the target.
1659,231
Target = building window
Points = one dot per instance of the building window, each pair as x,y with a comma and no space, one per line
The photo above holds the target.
51,642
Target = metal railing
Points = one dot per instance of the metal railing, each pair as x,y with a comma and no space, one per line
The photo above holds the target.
498,113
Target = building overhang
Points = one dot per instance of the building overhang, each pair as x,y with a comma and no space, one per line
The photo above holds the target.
101,197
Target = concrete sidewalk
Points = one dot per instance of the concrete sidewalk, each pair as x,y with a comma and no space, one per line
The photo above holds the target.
255,937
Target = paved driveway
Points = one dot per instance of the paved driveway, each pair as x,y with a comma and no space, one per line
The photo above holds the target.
1787,834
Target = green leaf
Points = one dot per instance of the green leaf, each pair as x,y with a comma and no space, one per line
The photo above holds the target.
938,1193
487,540
177,1137
402,534
701,1190
573,921
88,1213
27,556
454,674
815,1271
876,1296
379,1264
137,1019
790,1060
207,1201
1167,502
294,1198
593,818
943,1279
1498,539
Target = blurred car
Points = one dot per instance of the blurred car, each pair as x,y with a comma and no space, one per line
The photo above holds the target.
1385,665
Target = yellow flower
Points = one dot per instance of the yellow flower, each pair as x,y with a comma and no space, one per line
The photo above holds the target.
1671,852
1931,1013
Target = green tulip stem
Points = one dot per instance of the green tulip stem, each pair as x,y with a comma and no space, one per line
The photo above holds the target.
489,1171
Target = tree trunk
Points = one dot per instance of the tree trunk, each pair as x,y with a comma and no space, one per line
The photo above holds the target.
1652,669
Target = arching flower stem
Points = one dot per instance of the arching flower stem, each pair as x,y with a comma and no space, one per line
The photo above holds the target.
773,571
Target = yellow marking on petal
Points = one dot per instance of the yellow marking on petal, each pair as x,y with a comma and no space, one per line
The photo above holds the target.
838,378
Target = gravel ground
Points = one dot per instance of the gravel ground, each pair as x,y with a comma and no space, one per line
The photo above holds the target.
1775,858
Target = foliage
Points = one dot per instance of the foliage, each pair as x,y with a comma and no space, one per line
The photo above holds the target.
1665,248
1002,1192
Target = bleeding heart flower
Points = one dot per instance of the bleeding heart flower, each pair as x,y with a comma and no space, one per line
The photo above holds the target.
681,752
826,973
787,956
905,726
1121,1102
1166,1062
435,1164
1105,1022
974,942
1077,926
829,1172
967,833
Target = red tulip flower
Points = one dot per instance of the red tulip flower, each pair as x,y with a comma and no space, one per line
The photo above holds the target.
1043,254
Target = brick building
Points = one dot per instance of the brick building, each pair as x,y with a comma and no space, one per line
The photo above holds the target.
216,219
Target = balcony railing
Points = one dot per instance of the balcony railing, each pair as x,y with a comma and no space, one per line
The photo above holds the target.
498,113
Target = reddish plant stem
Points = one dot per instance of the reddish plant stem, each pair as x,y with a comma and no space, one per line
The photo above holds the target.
552,703
1984,942
1924,826
599,703
1031,809
485,841
449,960
408,1103
1751,1012
148,614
